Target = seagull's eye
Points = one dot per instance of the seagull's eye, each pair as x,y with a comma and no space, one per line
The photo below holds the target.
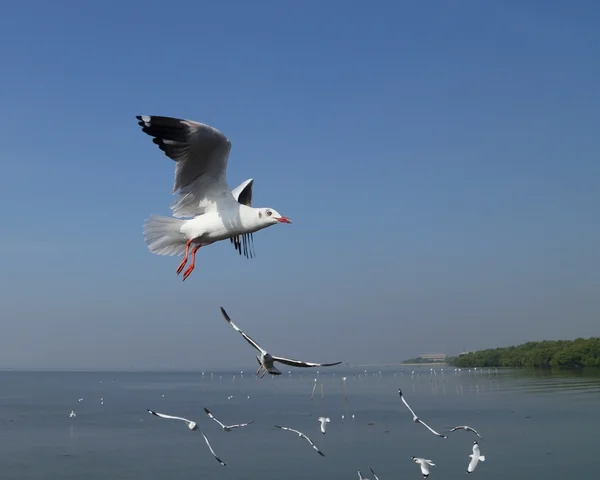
269,213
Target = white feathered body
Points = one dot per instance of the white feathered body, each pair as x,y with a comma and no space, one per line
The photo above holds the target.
476,457
168,235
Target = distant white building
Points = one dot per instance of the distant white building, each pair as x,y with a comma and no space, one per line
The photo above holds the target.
434,357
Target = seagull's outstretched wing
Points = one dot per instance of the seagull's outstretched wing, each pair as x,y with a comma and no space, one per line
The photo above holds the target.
300,363
171,417
201,154
239,425
466,428
212,417
312,444
374,476
237,329
431,429
211,449
406,403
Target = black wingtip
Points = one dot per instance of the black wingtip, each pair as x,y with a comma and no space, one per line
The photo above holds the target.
400,392
321,453
221,461
206,410
224,313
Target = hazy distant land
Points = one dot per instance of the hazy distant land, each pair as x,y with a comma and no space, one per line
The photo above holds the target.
582,352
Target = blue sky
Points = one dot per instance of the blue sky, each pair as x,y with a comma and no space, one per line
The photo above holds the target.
440,164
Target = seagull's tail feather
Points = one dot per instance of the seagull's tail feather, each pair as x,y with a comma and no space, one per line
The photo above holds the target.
163,235
482,458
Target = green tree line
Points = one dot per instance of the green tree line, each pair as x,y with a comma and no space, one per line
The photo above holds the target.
582,352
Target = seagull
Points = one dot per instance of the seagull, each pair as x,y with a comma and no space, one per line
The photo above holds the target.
300,434
72,414
193,426
417,420
466,428
476,457
360,477
266,360
425,464
227,428
324,421
217,213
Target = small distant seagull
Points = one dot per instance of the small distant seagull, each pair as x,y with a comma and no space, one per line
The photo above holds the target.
416,419
324,421
466,428
476,457
300,434
425,464
360,477
266,360
72,414
227,428
193,426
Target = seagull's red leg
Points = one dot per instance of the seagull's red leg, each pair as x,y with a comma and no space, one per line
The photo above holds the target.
259,369
264,373
190,269
185,257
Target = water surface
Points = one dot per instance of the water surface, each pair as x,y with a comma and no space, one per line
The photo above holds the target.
535,424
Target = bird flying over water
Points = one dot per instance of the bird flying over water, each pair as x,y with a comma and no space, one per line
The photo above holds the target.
193,426
466,428
425,464
266,360
226,428
302,435
360,476
416,419
476,457
324,421
216,213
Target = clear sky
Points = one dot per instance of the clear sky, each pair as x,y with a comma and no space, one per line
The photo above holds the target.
440,162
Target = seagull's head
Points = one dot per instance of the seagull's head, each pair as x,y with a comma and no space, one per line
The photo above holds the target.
270,216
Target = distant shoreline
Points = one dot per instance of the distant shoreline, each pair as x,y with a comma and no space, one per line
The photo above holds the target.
421,364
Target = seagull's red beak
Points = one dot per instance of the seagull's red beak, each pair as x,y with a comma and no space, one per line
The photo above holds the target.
284,220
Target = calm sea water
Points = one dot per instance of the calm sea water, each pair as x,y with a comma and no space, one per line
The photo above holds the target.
535,425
